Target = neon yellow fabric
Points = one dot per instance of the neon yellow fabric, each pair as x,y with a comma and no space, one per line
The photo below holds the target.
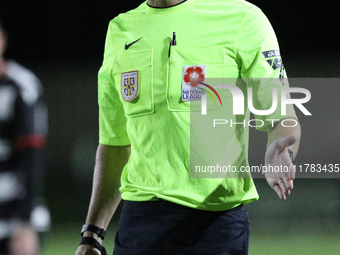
228,37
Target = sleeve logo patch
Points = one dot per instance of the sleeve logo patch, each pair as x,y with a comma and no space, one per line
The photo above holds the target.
271,53
273,58
129,85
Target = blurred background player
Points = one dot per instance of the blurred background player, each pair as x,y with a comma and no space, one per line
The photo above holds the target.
23,128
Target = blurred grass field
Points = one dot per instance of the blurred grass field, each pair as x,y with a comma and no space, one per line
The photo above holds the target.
64,239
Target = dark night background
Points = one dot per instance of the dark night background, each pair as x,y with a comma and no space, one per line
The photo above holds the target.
71,30
63,42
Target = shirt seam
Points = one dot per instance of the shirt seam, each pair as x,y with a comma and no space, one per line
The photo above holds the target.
169,14
240,31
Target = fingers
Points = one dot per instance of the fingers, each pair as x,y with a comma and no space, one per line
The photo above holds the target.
279,192
288,183
284,142
283,188
277,157
291,172
290,140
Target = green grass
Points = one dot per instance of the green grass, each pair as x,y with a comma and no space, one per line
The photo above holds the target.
311,244
64,239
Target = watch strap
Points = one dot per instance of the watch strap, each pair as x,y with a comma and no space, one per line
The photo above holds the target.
94,243
99,231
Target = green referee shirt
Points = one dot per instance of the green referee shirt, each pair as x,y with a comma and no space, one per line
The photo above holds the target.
141,100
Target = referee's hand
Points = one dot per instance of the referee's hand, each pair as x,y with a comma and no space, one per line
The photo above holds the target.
85,249
277,156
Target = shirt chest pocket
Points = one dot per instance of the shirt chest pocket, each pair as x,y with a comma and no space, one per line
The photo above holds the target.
212,59
133,75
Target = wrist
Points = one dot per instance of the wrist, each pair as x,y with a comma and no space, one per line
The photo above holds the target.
90,234
89,230
93,235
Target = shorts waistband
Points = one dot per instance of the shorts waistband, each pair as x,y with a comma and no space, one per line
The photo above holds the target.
165,206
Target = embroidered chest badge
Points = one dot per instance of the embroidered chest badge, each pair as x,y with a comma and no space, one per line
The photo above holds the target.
129,85
192,77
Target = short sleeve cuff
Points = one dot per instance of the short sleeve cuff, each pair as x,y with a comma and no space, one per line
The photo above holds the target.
273,118
114,141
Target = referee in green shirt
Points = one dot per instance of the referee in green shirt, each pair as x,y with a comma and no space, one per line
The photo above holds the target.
156,57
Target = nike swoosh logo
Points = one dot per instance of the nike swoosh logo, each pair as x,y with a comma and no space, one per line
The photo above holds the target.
127,46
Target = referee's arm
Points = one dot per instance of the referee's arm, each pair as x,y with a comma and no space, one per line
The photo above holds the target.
280,140
110,161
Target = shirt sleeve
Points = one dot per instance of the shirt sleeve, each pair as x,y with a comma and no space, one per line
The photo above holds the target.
261,66
112,119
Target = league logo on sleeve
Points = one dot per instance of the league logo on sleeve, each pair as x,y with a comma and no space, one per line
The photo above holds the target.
274,59
129,85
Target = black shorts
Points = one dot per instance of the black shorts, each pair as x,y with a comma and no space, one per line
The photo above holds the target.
164,228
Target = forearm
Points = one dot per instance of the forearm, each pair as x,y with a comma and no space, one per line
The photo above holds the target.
110,161
280,131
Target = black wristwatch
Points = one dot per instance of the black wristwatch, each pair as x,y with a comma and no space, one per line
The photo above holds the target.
99,231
